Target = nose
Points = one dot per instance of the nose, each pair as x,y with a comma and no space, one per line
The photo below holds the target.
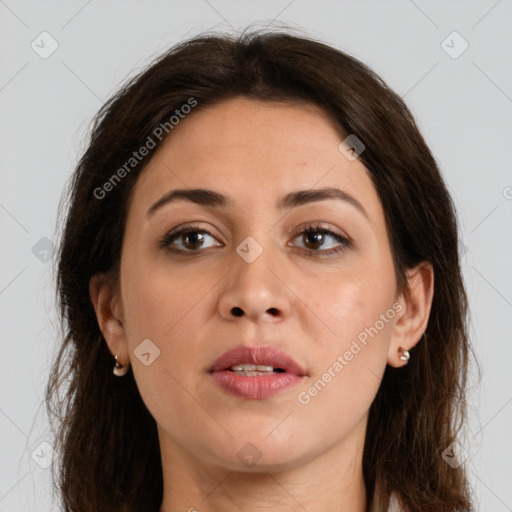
256,290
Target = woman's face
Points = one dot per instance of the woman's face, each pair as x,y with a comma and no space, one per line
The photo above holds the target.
246,275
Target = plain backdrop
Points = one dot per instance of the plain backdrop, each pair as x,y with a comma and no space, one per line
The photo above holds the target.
458,86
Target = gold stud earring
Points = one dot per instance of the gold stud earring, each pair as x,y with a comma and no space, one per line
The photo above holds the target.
119,369
405,354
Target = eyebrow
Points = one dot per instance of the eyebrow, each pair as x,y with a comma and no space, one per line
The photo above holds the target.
206,197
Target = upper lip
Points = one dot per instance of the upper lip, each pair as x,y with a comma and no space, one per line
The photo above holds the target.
263,355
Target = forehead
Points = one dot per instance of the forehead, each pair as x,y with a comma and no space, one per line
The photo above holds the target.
244,126
254,152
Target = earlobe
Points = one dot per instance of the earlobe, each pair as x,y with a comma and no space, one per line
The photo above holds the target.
106,302
411,323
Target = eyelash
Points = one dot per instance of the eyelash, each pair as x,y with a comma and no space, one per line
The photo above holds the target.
166,241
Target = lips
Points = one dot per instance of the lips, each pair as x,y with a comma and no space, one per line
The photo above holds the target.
256,372
263,356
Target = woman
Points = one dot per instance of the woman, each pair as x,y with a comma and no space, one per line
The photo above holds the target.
261,294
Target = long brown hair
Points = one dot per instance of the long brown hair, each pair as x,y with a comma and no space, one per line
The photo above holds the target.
108,450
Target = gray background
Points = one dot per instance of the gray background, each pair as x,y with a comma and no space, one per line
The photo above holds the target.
463,106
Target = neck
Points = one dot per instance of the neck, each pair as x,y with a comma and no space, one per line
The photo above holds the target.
332,481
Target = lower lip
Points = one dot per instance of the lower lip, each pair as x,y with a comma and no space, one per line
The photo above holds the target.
255,388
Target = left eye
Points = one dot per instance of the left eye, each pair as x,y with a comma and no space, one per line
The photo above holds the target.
315,239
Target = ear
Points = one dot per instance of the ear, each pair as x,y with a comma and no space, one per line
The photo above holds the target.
412,319
106,300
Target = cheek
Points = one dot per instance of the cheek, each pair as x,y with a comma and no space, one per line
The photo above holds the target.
351,304
349,365
155,309
163,309
352,342
158,302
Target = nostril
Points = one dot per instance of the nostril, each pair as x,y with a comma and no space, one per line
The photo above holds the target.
236,311
273,311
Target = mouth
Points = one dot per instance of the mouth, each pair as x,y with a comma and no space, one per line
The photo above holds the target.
256,372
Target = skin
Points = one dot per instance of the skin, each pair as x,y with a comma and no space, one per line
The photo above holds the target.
310,455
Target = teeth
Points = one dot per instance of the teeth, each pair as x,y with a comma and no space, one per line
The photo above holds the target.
256,369
251,374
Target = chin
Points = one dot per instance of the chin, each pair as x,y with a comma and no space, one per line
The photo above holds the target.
265,464
258,455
